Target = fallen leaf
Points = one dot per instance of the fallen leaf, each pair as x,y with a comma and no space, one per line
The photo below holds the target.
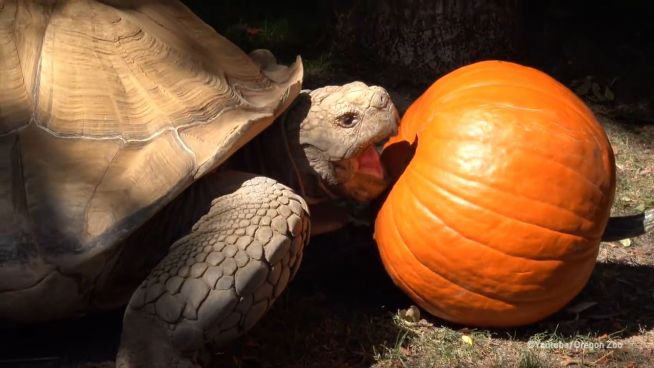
625,242
467,339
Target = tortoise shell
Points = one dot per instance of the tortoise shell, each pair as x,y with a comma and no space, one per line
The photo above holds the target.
108,110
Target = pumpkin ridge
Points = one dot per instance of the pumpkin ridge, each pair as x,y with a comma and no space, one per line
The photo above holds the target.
463,177
488,294
527,149
590,125
485,293
417,263
464,286
564,131
450,193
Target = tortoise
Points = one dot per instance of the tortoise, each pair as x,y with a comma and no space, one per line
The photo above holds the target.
140,165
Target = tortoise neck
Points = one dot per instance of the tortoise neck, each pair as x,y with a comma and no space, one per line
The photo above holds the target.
278,154
306,181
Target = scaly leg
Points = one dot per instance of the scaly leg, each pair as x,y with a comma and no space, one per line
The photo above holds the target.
220,279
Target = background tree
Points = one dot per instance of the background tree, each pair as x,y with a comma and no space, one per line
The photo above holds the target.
425,38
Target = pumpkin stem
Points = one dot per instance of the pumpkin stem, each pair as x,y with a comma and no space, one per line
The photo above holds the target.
629,226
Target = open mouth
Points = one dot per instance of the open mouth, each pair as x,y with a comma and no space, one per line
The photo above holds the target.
368,162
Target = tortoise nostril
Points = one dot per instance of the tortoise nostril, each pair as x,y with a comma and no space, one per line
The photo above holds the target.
379,100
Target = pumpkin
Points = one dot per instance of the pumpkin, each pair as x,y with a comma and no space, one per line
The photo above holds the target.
497,218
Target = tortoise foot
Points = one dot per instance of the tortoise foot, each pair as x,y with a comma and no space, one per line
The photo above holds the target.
219,280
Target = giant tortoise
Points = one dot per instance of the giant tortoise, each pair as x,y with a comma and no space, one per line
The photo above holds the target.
117,119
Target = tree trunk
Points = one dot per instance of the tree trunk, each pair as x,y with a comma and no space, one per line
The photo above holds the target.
426,38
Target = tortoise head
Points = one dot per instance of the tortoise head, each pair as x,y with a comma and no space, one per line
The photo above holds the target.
335,130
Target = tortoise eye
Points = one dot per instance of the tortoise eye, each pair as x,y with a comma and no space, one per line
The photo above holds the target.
348,120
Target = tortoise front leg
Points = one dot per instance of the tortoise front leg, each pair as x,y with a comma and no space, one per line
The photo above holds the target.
219,280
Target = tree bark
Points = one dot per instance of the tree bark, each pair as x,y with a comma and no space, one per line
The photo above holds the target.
426,38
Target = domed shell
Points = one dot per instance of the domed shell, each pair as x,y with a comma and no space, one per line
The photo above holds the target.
108,110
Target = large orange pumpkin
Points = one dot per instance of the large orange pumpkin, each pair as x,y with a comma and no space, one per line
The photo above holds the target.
497,219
